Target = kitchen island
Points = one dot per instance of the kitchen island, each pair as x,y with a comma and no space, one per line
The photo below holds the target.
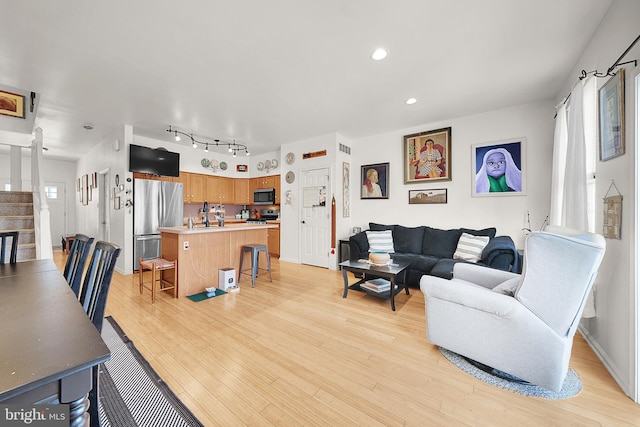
202,251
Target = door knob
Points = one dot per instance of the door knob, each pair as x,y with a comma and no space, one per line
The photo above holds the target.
302,222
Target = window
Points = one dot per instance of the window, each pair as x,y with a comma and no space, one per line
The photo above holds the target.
51,191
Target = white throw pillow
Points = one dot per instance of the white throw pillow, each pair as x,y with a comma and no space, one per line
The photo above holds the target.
508,287
380,241
470,247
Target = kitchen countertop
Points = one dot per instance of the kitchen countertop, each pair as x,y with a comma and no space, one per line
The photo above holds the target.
235,226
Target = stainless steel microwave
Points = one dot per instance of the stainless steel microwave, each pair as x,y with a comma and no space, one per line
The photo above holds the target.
264,196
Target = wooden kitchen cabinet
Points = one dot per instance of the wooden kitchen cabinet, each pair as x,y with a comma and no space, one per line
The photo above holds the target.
273,241
219,190
194,186
241,194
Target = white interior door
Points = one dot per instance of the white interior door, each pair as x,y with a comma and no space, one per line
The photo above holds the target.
57,201
315,217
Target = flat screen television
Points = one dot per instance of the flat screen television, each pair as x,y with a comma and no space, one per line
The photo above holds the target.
155,161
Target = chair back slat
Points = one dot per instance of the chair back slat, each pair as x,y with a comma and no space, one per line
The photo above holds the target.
76,260
5,235
97,281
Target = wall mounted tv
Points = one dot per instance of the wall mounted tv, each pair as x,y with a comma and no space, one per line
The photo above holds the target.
155,161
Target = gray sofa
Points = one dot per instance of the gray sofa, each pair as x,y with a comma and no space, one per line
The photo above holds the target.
430,250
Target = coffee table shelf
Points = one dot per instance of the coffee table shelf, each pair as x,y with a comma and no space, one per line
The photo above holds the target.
372,271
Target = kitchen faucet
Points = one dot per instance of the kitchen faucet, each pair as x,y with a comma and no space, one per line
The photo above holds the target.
206,214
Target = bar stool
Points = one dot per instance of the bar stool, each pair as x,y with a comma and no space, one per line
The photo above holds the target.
157,266
255,251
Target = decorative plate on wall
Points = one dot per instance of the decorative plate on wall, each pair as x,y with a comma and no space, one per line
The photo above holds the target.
205,163
260,166
290,158
290,177
223,166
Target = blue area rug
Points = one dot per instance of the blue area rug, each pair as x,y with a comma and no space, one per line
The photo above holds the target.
571,387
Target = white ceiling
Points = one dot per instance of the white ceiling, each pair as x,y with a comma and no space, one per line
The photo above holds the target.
272,72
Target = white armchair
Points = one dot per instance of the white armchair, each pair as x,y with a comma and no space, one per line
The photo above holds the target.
519,324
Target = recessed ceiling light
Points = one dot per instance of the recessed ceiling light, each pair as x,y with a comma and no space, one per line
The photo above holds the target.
411,101
378,54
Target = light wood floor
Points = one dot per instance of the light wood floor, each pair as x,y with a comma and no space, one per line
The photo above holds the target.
294,352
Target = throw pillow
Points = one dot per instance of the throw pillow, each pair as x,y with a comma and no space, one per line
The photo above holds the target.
491,232
380,241
440,243
407,239
470,247
508,287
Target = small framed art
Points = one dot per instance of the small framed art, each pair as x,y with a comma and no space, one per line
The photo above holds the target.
374,181
611,117
11,104
499,168
427,197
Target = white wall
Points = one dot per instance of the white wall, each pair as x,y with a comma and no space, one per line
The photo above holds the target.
102,157
290,214
52,170
612,333
506,213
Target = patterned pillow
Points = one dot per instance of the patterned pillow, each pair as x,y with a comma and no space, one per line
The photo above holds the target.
380,241
470,247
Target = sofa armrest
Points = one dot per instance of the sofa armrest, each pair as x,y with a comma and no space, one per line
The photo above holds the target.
468,294
483,276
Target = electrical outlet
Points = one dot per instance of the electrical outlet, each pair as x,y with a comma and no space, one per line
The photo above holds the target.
186,245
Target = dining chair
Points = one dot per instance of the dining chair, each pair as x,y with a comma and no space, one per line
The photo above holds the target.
76,260
93,298
4,235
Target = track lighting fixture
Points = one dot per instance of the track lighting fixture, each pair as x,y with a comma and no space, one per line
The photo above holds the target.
232,146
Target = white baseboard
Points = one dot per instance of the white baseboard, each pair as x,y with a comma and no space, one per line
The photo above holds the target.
622,382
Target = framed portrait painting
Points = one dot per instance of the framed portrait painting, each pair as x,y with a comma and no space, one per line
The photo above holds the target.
611,117
427,156
499,168
374,181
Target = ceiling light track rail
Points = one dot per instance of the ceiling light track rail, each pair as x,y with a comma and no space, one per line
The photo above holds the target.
233,147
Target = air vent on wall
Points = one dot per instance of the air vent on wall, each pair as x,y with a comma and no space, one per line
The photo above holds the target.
345,149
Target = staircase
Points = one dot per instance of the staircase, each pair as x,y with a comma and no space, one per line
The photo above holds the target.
16,213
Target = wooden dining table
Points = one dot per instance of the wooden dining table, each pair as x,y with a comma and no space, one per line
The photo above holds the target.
48,345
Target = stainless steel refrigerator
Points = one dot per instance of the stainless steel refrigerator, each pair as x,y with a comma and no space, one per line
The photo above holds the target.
155,204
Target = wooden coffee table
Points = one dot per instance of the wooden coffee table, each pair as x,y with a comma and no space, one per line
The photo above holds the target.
372,271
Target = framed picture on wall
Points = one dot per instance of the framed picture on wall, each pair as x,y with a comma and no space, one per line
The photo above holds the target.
11,104
374,181
427,156
428,197
611,117
499,168
346,191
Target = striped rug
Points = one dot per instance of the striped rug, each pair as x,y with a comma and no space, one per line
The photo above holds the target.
131,392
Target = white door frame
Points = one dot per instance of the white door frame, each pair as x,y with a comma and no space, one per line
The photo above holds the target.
104,213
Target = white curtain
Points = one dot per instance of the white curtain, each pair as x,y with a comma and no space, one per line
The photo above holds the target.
569,193
569,175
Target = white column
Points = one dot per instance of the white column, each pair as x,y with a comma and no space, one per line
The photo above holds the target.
41,213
